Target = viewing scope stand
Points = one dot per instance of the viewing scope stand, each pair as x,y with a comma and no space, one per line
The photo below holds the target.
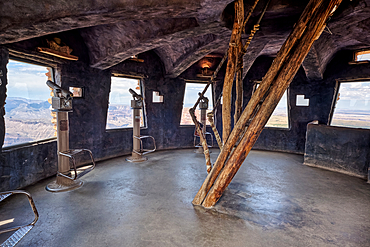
67,175
138,151
203,106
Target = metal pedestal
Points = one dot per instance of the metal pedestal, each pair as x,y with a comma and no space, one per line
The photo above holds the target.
138,151
62,183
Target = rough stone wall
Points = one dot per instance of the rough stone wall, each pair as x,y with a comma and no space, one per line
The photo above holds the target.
339,149
163,119
28,165
22,166
4,58
88,119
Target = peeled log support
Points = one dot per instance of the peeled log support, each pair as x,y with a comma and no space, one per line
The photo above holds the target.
239,86
210,116
202,140
192,113
258,96
231,68
285,75
239,70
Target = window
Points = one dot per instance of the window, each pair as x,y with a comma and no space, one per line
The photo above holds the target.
352,107
301,100
280,117
119,111
157,98
362,56
190,97
27,110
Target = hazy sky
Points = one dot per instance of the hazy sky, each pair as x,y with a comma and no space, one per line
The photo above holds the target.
191,94
119,93
27,81
363,57
354,95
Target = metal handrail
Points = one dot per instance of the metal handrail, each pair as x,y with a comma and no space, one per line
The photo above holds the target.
142,150
70,154
6,194
205,135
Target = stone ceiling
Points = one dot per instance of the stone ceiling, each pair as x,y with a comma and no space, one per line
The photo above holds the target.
180,32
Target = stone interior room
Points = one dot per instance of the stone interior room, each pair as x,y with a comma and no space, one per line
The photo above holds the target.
185,123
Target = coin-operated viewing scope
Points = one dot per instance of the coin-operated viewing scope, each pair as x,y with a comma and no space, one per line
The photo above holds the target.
68,173
62,99
138,151
135,95
137,102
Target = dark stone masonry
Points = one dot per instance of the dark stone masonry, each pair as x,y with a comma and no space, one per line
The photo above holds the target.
174,39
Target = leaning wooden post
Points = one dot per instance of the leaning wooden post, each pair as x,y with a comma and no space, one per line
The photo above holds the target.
210,116
258,96
231,67
239,86
239,70
284,76
202,140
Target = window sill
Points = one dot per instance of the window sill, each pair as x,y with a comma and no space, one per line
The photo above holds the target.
124,129
277,128
28,144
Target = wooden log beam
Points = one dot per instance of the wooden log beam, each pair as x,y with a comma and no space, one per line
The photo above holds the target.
254,101
202,139
231,68
210,116
239,87
258,96
239,70
284,74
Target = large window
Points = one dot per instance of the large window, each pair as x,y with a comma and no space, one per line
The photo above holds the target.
190,97
362,56
280,116
27,110
119,111
352,107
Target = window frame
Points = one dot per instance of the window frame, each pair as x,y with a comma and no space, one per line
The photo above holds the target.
183,99
338,82
287,91
142,92
37,62
359,53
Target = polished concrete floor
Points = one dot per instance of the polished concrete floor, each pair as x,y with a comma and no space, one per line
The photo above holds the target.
273,200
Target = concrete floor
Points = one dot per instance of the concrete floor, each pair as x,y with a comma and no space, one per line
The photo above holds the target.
273,200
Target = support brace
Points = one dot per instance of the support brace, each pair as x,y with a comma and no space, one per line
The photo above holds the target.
277,79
